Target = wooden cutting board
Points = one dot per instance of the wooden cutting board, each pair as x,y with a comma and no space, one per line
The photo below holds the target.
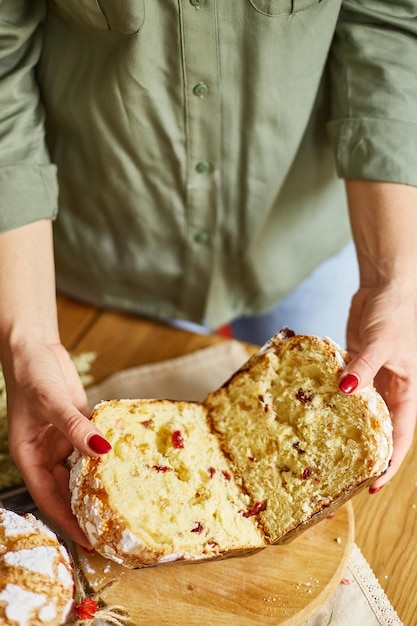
279,585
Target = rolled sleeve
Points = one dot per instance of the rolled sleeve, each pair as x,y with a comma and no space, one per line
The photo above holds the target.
374,91
28,193
28,182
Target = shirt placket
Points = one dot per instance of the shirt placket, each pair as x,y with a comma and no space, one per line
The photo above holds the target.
200,60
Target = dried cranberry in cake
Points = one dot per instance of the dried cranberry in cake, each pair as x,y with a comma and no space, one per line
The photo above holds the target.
307,471
297,446
258,507
304,396
162,468
285,333
212,471
147,423
177,439
226,475
198,528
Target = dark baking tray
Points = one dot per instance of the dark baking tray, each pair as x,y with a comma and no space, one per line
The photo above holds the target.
17,499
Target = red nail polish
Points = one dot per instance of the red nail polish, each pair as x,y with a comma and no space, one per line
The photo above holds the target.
98,444
373,490
349,383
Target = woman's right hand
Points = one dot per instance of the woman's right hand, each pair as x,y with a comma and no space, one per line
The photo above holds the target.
47,412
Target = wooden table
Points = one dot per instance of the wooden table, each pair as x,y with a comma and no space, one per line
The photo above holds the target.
385,523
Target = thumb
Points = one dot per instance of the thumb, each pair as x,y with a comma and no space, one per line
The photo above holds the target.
363,367
81,432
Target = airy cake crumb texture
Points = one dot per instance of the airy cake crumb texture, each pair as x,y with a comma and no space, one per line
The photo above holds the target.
304,443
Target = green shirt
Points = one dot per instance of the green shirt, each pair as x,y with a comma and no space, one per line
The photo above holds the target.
198,145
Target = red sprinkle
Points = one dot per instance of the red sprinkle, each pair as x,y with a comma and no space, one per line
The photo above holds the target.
331,515
226,475
162,468
198,528
346,581
177,439
257,508
306,473
86,609
212,471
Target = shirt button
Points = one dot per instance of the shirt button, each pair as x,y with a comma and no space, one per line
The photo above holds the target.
203,167
197,3
201,90
202,237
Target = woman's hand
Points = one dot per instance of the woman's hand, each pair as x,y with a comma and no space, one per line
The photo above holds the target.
47,411
382,339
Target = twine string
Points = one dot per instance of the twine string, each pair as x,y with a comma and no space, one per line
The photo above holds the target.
111,614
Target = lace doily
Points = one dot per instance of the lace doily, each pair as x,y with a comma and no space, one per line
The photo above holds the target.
359,599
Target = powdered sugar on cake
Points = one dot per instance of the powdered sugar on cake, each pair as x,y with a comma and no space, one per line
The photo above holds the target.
20,604
37,582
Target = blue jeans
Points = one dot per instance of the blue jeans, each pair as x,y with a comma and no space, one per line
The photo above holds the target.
318,306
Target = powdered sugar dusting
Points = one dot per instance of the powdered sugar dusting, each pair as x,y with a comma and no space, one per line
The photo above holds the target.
128,542
338,351
40,559
64,576
16,524
340,359
33,577
47,613
20,604
373,405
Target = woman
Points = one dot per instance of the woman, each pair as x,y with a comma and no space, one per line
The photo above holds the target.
197,181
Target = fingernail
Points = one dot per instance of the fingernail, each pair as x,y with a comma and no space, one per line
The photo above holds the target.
349,383
373,490
87,550
98,444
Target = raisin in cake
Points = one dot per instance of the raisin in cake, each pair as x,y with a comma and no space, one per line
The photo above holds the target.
36,573
276,448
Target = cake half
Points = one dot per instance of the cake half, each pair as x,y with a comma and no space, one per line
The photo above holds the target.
165,491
